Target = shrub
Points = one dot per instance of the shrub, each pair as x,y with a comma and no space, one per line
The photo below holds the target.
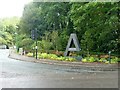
96,59
30,54
51,56
92,59
61,58
89,59
107,62
26,44
84,60
55,57
114,60
102,60
44,55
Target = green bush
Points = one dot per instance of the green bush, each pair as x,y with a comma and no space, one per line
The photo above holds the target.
89,59
118,59
43,55
52,56
114,60
30,54
96,59
55,57
61,58
84,60
107,62
92,59
26,43
102,60
72,59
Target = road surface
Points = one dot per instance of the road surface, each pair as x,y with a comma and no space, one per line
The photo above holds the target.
20,74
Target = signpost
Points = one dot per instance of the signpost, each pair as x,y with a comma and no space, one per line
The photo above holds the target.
34,37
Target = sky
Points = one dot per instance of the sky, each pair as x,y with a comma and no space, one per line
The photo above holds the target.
10,8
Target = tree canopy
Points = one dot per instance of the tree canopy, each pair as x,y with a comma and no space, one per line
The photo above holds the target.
95,23
8,28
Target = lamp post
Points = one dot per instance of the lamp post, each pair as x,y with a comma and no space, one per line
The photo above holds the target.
33,52
36,41
36,49
16,49
16,33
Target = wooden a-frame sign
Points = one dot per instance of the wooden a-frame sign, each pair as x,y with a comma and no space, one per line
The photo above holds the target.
72,40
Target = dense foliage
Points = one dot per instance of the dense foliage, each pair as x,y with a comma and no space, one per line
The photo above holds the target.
95,23
8,28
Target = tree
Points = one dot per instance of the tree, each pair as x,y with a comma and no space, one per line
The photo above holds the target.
8,29
96,24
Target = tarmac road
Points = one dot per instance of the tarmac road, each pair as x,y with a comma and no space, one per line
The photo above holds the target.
20,74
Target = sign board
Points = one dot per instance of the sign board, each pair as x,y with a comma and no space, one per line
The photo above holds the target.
34,34
72,40
21,51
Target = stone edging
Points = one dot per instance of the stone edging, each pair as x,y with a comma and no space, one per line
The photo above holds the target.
73,65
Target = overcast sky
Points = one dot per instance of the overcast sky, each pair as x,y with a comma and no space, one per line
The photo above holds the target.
9,8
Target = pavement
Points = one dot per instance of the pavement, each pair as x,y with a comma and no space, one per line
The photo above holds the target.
27,72
76,65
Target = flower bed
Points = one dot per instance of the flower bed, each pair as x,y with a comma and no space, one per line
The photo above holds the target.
84,60
52,57
101,60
